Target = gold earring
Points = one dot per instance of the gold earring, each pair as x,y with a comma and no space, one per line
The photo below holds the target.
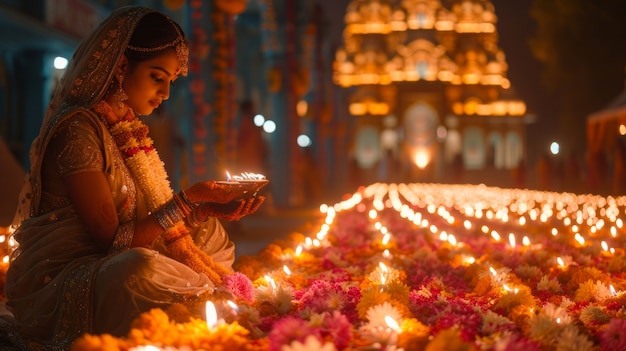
120,95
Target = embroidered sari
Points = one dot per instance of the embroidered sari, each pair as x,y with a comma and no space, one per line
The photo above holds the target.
60,284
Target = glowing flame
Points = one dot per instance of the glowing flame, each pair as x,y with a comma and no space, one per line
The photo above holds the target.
233,305
383,267
211,315
605,246
287,270
452,240
391,323
270,282
421,159
386,239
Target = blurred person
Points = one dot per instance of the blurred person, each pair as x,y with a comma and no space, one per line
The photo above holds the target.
619,170
544,172
252,150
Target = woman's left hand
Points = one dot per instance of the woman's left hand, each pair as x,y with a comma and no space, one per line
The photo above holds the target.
232,211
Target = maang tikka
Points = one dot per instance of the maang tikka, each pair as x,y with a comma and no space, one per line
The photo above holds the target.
120,95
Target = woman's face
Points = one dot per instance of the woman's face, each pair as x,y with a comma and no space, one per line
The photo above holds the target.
148,83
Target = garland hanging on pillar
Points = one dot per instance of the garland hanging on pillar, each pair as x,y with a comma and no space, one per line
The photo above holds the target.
201,110
223,74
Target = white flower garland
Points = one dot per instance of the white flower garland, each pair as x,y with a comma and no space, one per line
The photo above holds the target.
141,158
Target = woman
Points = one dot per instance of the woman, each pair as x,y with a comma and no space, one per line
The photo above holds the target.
102,237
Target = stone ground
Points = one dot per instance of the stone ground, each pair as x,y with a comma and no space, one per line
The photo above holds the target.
253,233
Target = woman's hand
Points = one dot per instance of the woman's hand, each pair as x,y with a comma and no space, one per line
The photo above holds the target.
222,192
232,211
210,191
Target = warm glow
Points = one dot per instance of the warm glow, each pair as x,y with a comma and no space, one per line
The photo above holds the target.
391,323
512,240
421,159
233,305
495,235
270,282
372,214
302,108
386,239
604,245
452,240
211,315
383,267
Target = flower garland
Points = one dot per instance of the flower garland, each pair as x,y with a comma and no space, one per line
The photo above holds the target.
147,168
141,158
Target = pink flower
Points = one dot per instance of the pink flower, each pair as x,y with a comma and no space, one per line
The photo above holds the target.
240,286
290,329
614,336
323,296
338,328
514,342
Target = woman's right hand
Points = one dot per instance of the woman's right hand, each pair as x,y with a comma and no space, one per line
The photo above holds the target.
232,211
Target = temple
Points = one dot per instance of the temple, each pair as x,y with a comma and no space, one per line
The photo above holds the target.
396,90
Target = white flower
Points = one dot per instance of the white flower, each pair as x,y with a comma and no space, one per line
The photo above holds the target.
493,321
377,329
558,314
310,344
602,291
547,284
376,314
571,339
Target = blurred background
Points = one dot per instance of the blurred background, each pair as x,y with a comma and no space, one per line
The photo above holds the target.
323,96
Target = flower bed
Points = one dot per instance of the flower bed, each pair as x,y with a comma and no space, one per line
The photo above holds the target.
419,267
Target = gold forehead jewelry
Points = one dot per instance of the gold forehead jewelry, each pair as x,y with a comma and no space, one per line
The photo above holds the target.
182,50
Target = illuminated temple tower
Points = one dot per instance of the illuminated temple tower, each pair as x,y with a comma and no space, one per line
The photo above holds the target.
426,84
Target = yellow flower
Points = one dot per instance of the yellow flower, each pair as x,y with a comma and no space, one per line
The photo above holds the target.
449,340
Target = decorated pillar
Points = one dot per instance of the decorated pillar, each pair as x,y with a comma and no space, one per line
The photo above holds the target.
201,90
273,36
212,86
283,22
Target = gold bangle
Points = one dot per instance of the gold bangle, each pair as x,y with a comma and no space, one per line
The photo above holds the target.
194,220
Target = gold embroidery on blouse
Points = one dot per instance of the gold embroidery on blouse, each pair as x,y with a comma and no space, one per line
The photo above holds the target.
78,154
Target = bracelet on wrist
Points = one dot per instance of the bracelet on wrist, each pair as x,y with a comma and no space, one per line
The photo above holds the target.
193,220
183,206
186,200
169,214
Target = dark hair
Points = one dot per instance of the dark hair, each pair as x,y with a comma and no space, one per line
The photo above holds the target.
153,30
